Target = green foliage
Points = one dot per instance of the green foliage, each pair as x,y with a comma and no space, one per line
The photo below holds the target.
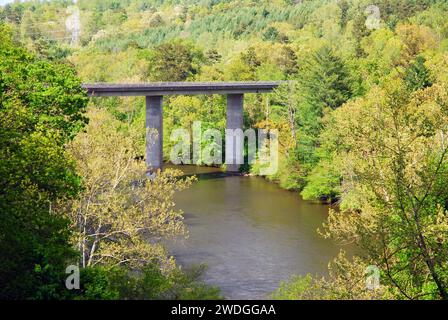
99,284
325,81
297,288
174,61
346,281
218,21
417,75
272,34
322,183
41,108
329,52
288,62
212,56
149,283
186,285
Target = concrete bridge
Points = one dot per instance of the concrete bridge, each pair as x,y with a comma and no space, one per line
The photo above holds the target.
154,93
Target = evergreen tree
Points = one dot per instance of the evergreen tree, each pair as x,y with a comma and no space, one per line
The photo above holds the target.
417,75
325,81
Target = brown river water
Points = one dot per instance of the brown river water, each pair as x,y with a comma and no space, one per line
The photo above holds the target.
250,233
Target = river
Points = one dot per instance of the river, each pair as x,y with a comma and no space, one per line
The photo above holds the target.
250,233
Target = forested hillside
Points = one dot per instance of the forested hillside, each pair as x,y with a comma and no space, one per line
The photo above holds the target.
363,119
333,50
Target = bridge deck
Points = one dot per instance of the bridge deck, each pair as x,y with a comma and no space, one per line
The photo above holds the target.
184,88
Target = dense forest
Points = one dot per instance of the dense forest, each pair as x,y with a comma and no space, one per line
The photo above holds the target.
363,122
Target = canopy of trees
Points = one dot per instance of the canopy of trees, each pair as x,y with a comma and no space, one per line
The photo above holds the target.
363,125
42,108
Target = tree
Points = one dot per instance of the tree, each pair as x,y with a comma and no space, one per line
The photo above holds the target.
417,76
323,182
244,67
325,81
324,85
393,158
213,56
395,161
120,216
12,13
174,61
41,109
416,40
344,6
359,31
272,34
287,62
346,281
251,59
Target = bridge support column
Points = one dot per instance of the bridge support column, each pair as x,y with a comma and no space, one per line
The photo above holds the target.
234,121
154,133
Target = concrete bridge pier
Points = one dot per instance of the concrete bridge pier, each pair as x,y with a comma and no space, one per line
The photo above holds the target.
234,121
154,133
154,93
